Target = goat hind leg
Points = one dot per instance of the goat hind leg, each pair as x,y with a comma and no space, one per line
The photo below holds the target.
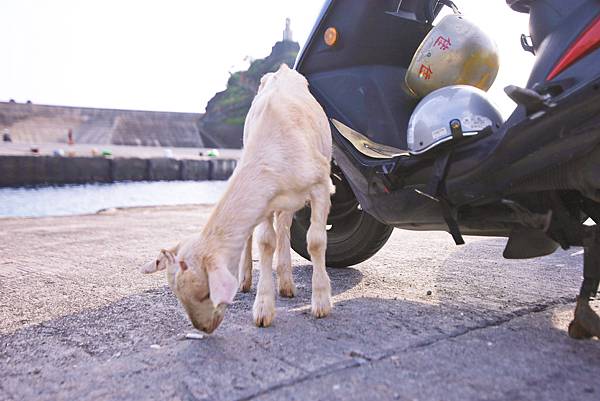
263,310
317,243
285,281
245,268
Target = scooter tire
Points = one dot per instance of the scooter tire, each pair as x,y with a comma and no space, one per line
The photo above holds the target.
354,244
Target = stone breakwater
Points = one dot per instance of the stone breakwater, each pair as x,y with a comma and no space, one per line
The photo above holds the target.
47,170
35,123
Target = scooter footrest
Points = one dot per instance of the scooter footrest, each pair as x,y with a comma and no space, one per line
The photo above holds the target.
366,146
532,100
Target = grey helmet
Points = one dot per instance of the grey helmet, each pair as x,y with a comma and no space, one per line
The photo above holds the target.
446,113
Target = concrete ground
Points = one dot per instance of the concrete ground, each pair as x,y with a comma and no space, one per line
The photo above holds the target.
78,322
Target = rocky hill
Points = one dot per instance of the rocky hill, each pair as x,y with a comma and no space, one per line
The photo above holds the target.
223,121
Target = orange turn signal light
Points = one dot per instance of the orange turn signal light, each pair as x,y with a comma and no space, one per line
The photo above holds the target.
331,36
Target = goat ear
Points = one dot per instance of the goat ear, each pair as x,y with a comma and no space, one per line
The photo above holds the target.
169,254
222,285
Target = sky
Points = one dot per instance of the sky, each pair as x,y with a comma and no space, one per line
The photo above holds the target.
174,55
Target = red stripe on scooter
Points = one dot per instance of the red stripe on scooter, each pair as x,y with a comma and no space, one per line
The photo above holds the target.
587,42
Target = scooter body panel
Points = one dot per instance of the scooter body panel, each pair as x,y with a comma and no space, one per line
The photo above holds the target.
552,43
359,82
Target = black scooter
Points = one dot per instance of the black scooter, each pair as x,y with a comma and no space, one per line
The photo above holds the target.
535,180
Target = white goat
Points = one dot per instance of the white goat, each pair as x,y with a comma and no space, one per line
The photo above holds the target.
284,164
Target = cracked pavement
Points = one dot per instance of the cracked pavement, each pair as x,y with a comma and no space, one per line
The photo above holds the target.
78,322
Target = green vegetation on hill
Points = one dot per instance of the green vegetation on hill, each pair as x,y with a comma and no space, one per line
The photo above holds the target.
234,94
223,121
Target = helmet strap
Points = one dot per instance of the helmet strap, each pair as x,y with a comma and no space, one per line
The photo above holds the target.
436,191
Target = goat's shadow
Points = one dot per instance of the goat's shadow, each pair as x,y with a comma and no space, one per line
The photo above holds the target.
467,292
342,280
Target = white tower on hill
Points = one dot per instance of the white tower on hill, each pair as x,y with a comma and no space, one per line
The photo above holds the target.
287,33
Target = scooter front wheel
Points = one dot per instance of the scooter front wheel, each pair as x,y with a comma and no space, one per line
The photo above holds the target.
353,235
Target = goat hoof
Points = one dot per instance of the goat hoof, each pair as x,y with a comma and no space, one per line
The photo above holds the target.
586,323
288,291
245,286
263,313
321,308
577,332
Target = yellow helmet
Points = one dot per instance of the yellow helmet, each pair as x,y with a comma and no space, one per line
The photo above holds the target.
454,52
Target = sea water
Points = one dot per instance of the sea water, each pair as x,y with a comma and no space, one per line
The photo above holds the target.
89,198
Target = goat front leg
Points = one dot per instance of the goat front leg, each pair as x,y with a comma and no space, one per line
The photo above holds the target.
264,304
245,268
317,243
285,281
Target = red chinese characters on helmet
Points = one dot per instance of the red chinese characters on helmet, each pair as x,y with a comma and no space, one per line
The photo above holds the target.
443,43
425,72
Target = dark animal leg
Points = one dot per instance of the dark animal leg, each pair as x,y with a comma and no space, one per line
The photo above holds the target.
586,323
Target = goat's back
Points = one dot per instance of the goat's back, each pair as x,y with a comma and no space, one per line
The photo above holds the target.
286,123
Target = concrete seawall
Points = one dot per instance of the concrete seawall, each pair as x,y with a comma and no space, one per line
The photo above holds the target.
35,123
41,170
